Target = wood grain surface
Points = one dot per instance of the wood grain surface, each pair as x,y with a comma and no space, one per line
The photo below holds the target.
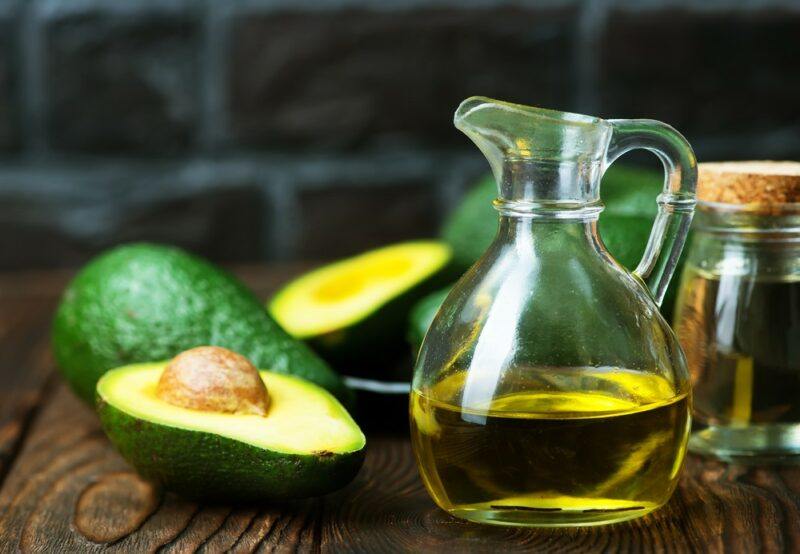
65,489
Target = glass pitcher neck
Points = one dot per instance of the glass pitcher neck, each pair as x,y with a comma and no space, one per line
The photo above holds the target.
540,235
543,186
513,226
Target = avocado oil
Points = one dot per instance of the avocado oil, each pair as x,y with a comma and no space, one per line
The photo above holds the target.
740,334
543,457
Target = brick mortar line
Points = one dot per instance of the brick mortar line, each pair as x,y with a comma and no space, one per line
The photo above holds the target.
32,82
304,171
59,8
214,123
708,6
592,21
310,172
282,235
279,185
387,5
28,416
65,7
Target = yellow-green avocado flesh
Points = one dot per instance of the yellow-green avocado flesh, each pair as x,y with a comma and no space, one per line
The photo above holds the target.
306,445
352,309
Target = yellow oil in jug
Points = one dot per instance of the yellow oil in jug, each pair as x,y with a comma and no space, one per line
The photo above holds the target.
554,458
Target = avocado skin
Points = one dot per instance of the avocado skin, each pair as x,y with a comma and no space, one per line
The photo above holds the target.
364,346
145,302
209,467
422,315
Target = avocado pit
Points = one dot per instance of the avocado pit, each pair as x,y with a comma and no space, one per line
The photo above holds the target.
213,379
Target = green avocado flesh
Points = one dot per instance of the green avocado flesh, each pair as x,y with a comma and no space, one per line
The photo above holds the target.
306,445
346,309
144,302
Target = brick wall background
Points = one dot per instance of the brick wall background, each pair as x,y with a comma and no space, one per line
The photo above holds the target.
276,129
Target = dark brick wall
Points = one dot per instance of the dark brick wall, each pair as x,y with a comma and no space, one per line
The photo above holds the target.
365,78
340,220
710,74
9,84
266,129
122,84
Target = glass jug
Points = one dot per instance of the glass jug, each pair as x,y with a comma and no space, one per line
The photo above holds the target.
549,391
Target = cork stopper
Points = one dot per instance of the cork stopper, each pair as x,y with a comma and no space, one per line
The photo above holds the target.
761,183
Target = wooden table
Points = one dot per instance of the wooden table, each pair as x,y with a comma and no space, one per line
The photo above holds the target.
65,489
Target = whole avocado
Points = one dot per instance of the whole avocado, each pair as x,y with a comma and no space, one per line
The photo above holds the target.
147,302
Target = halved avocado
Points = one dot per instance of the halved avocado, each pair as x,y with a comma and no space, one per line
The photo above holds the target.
358,306
306,445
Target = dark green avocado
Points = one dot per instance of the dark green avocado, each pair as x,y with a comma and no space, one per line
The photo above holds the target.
145,302
422,315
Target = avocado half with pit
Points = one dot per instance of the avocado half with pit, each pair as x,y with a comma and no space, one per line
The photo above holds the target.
305,444
350,310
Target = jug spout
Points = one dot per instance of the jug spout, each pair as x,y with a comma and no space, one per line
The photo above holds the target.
537,155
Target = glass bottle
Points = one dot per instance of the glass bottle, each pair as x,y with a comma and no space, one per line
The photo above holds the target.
738,312
549,391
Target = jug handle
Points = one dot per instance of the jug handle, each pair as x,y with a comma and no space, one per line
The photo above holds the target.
675,203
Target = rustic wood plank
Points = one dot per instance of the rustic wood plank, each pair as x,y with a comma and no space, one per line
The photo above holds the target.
70,491
718,507
25,368
19,285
